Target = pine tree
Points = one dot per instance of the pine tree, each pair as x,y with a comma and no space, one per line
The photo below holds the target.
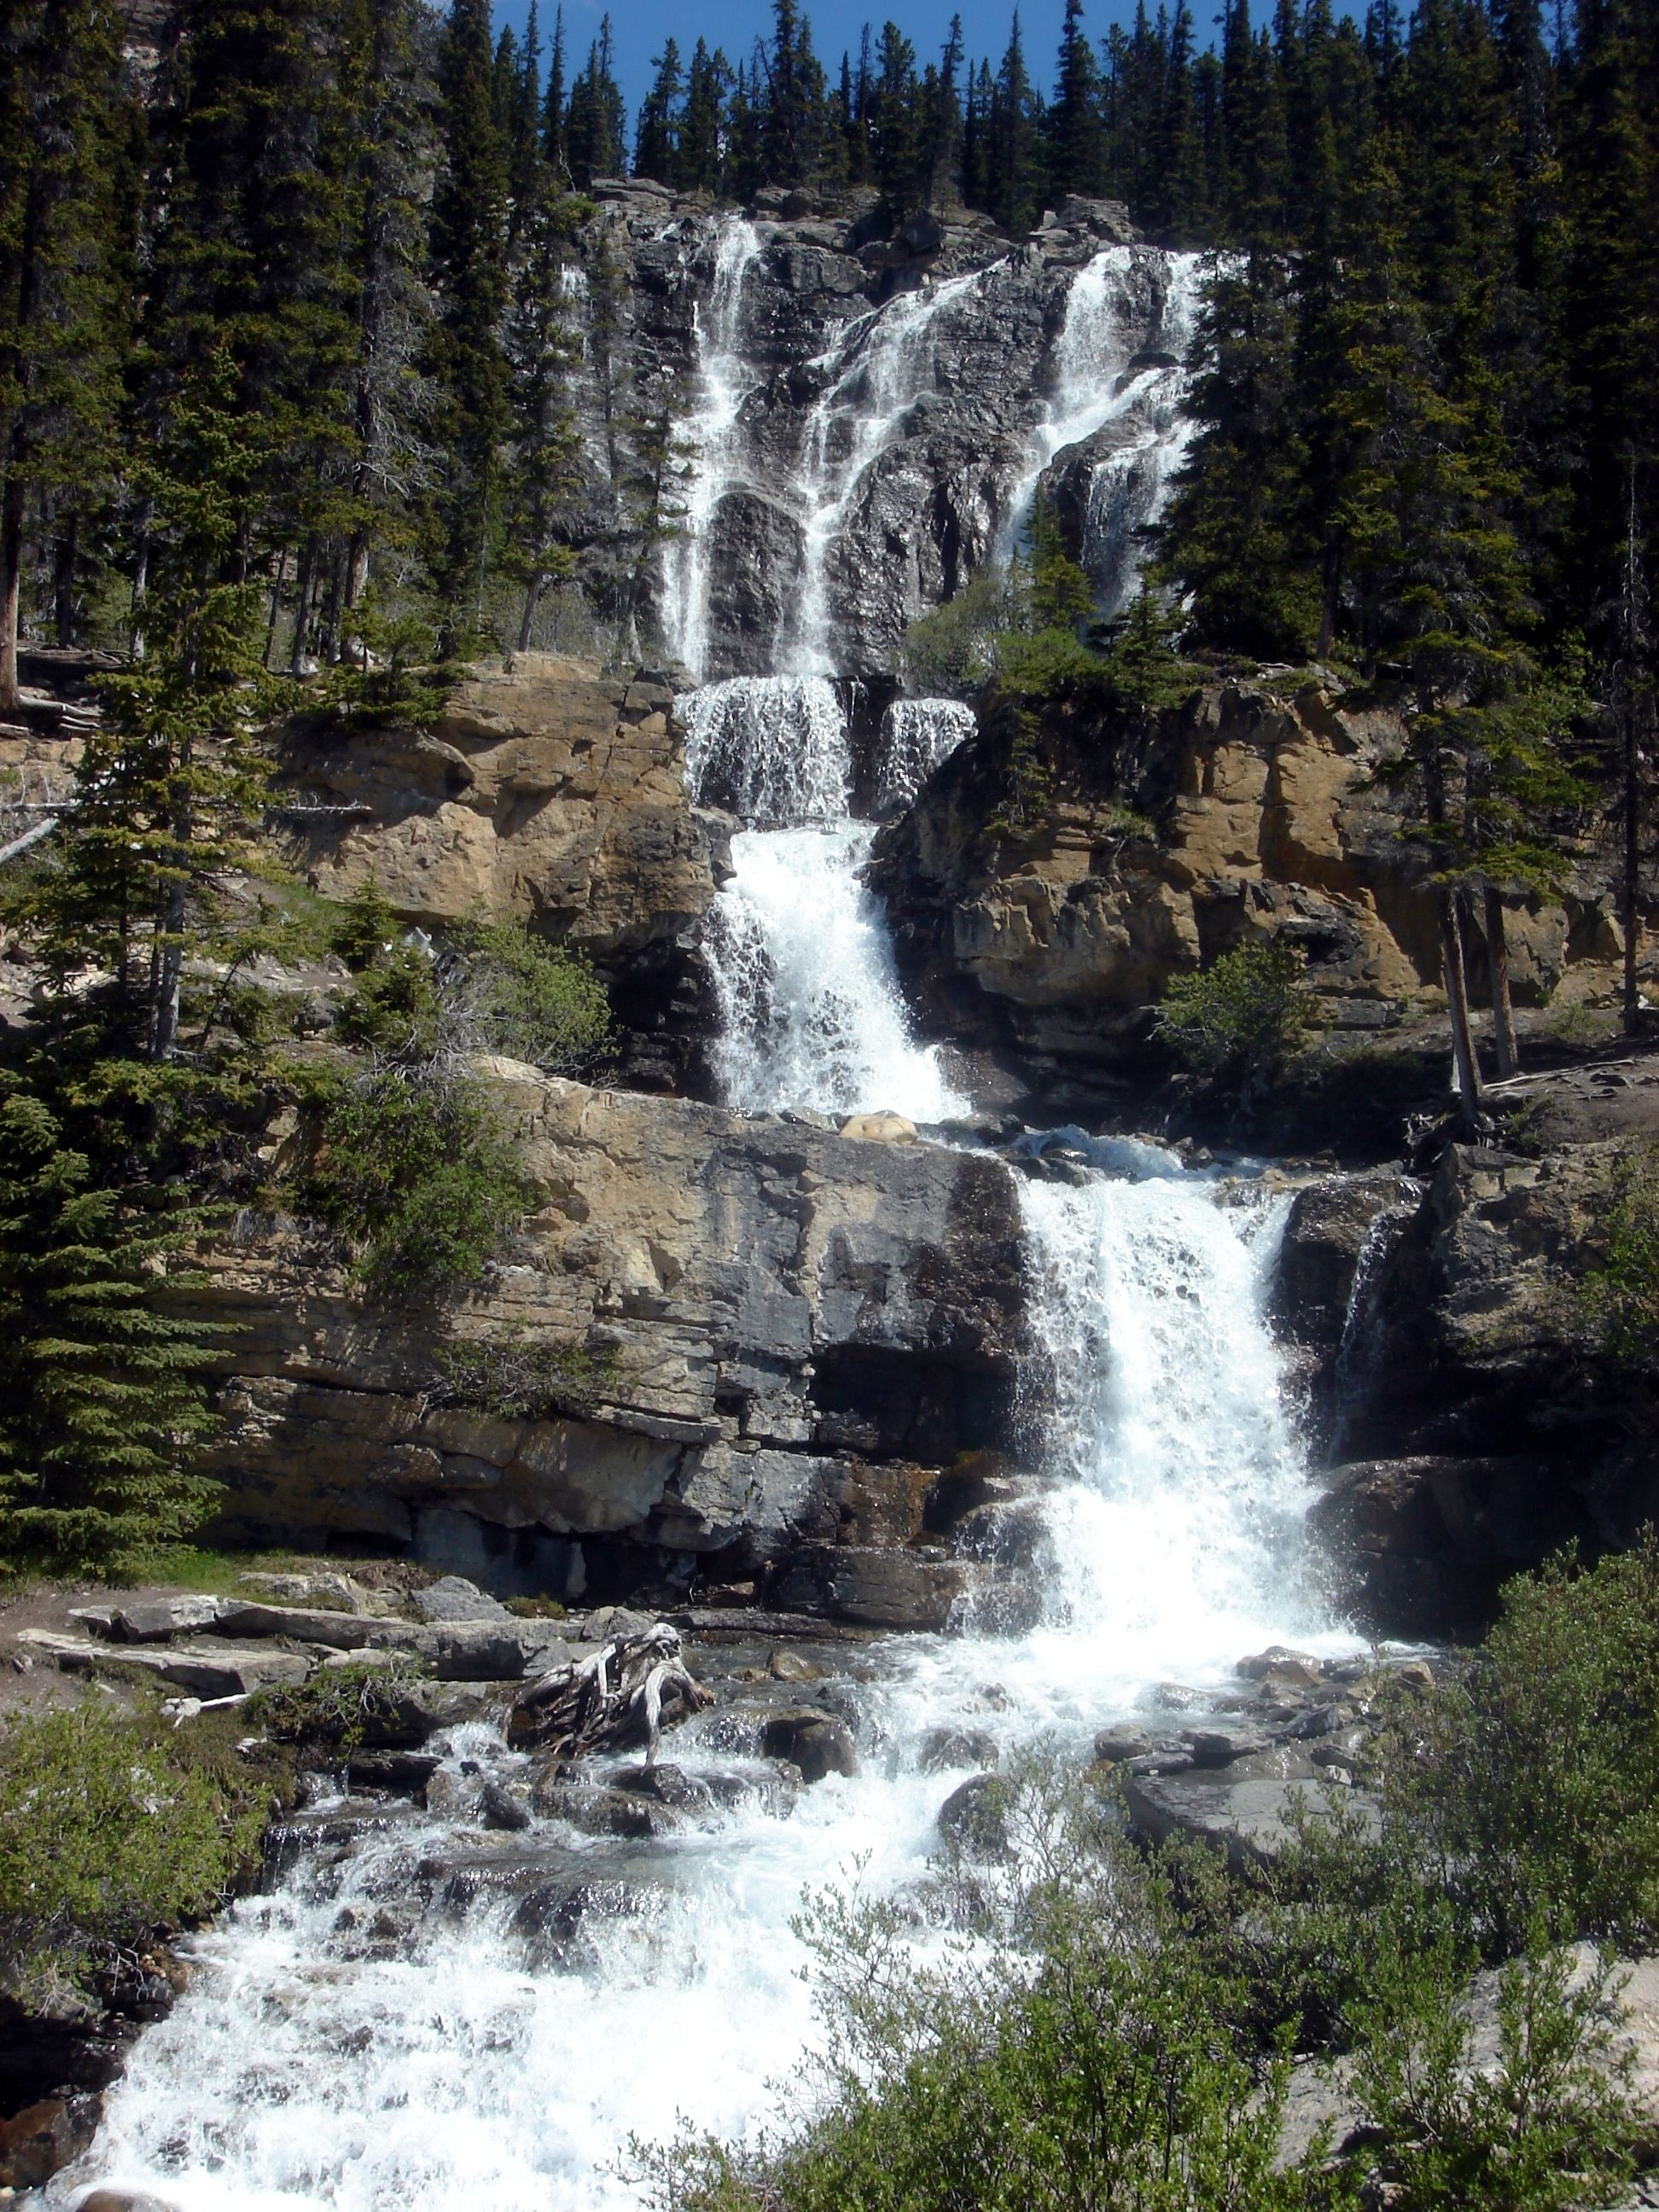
792,110
1075,140
697,156
656,138
893,123
103,1400
469,259
555,146
1013,149
541,348
64,305
595,119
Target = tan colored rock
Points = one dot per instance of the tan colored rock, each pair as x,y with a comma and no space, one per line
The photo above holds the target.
879,1129
547,793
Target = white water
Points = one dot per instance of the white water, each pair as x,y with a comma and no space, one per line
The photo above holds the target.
772,748
451,2071
725,379
1097,385
873,377
811,1012
916,735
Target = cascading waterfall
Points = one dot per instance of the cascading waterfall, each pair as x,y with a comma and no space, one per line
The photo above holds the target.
873,377
916,736
711,436
422,2013
396,2025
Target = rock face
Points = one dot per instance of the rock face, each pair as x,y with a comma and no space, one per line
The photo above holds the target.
1471,1424
547,793
957,394
784,1338
1046,922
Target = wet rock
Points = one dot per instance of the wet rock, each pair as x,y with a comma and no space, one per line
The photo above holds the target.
1248,1815
943,1748
393,1770
974,1818
556,1919
450,1796
879,1129
1217,1743
44,2137
878,1589
784,1665
817,1743
594,1810
454,1598
1282,1667
1328,1229
124,2200
669,1785
500,1807
1119,1742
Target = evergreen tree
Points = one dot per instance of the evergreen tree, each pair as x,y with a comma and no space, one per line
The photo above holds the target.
556,146
1075,140
791,122
65,221
469,256
541,348
893,133
1014,147
697,156
595,121
656,139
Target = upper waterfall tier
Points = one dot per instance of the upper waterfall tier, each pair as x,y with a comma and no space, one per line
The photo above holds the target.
863,431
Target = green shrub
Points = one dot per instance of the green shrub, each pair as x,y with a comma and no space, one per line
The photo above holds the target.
952,649
532,1001
1249,1009
110,1828
364,1701
1530,1790
519,1378
413,1166
1622,1293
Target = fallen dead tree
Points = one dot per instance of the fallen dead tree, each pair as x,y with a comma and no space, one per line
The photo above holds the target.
618,1697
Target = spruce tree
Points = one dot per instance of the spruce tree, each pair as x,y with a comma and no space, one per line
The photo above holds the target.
541,348
469,259
1013,151
1075,143
656,138
697,154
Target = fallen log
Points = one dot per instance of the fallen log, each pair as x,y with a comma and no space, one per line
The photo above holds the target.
623,1695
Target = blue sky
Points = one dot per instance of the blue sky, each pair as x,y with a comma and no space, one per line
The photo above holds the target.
638,27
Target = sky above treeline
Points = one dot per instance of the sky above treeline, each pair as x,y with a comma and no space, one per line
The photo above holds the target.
638,27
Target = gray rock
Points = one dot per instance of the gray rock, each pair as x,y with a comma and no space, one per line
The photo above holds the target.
157,1619
499,1806
973,1818
1217,1743
943,1748
1121,1740
454,1598
817,1743
1247,1817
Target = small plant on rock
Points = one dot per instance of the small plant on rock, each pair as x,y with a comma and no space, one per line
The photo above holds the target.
1248,1010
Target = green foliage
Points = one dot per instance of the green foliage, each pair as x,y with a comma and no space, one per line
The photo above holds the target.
517,1378
528,999
396,675
1542,2121
342,1708
365,928
110,1828
103,1400
1248,1009
394,1007
952,649
413,1167
1622,1291
1530,1791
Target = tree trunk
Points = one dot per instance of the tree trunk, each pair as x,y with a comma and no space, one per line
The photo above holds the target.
65,559
11,584
533,599
1464,1063
1630,887
1497,959
1327,598
276,583
302,608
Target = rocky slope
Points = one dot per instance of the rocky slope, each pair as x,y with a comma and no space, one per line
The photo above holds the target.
1042,918
790,1363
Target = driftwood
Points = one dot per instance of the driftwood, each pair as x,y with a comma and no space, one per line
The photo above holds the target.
621,1696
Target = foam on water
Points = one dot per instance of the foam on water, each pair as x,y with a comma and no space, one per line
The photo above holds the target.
916,735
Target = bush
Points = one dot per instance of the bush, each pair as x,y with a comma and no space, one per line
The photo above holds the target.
1249,1009
532,1001
110,1829
1622,1294
414,1167
517,1378
952,649
1531,1790
341,1708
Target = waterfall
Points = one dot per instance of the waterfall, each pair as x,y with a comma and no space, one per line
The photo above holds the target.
773,749
383,2030
711,436
1105,376
872,378
812,1016
916,735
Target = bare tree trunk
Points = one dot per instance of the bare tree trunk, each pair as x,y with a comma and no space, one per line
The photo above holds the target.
11,584
1464,1063
533,599
140,585
1630,885
1503,1011
303,607
276,583
1330,587
66,554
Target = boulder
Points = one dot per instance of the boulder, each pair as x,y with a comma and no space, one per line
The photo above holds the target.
879,1129
453,1598
36,2143
1247,1816
973,1818
943,1748
816,1743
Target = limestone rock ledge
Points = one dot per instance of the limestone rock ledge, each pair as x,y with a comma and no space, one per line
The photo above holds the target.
794,1345
547,793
